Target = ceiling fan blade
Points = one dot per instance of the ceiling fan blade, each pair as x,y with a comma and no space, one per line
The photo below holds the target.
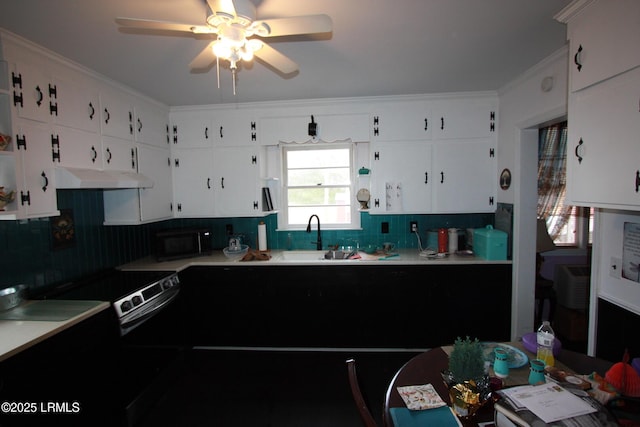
276,59
307,24
204,60
148,24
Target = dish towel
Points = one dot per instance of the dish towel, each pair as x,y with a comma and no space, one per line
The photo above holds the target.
440,417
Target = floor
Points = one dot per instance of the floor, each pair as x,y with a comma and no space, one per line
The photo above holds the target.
274,389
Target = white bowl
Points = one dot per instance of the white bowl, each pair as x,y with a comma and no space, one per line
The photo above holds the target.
237,254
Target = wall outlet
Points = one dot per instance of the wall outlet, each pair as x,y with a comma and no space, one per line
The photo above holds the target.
413,227
615,268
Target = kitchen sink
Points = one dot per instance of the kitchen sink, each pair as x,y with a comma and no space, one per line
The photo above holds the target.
319,256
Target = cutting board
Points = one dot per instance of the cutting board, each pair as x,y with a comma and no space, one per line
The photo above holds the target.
48,310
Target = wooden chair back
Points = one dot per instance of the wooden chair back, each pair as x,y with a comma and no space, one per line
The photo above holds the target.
358,397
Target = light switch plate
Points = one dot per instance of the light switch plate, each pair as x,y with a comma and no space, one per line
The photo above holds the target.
615,268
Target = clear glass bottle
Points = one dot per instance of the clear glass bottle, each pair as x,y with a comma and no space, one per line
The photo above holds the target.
545,338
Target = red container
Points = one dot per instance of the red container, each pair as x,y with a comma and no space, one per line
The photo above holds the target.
443,240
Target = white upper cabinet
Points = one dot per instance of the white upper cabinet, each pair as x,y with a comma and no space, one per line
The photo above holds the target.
236,128
119,154
30,92
192,129
463,118
36,193
193,182
401,178
75,148
151,125
329,128
401,121
74,105
603,161
117,114
236,182
604,39
464,176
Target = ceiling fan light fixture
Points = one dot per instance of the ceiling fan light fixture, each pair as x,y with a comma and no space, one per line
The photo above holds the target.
222,49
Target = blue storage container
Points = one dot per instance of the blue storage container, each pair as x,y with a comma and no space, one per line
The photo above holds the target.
489,243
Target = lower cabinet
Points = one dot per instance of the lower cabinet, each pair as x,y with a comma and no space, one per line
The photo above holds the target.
347,306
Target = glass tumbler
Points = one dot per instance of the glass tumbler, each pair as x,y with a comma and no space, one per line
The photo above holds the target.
536,374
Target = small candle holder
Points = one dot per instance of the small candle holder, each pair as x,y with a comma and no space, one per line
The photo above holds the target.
536,374
501,364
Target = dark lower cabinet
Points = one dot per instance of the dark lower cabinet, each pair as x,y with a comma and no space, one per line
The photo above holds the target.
404,306
68,379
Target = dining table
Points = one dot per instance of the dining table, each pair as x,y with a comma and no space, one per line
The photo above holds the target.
427,367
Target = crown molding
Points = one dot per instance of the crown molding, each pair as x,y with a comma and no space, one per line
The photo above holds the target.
571,10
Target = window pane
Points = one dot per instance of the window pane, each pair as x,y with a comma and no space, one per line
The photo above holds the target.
318,196
318,158
328,215
306,177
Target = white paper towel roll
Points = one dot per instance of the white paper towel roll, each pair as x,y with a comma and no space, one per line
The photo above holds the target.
262,236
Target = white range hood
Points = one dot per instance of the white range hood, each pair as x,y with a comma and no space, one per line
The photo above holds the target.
71,178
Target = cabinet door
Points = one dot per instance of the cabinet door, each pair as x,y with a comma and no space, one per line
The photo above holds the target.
151,125
401,178
236,128
119,154
338,127
602,150
75,106
155,202
284,129
193,182
30,92
76,148
117,115
463,118
37,195
464,176
236,182
406,121
604,40
192,129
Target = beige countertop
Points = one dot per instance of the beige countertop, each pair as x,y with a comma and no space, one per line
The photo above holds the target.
18,335
301,257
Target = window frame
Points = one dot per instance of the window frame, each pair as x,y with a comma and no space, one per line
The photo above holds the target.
283,215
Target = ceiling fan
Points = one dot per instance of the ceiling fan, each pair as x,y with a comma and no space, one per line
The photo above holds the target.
238,35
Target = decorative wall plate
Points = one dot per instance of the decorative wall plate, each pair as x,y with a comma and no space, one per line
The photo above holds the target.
505,179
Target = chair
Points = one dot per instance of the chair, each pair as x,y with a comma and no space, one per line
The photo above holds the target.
363,409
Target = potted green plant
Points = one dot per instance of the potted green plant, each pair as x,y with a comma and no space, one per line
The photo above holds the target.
466,361
468,384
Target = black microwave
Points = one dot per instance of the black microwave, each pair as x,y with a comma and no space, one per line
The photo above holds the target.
181,243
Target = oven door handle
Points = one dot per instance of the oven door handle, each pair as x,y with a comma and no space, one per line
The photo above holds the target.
137,318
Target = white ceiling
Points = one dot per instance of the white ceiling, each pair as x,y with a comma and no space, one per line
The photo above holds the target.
377,47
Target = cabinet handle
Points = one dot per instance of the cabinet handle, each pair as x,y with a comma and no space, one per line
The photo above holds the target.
139,126
637,180
221,135
577,149
40,96
426,124
109,155
209,183
206,133
107,116
94,154
426,177
577,59
441,177
222,182
46,181
92,111
441,123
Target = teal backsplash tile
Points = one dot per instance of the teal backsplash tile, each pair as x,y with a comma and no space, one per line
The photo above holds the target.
29,257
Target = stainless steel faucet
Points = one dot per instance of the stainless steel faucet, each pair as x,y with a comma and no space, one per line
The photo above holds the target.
319,241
